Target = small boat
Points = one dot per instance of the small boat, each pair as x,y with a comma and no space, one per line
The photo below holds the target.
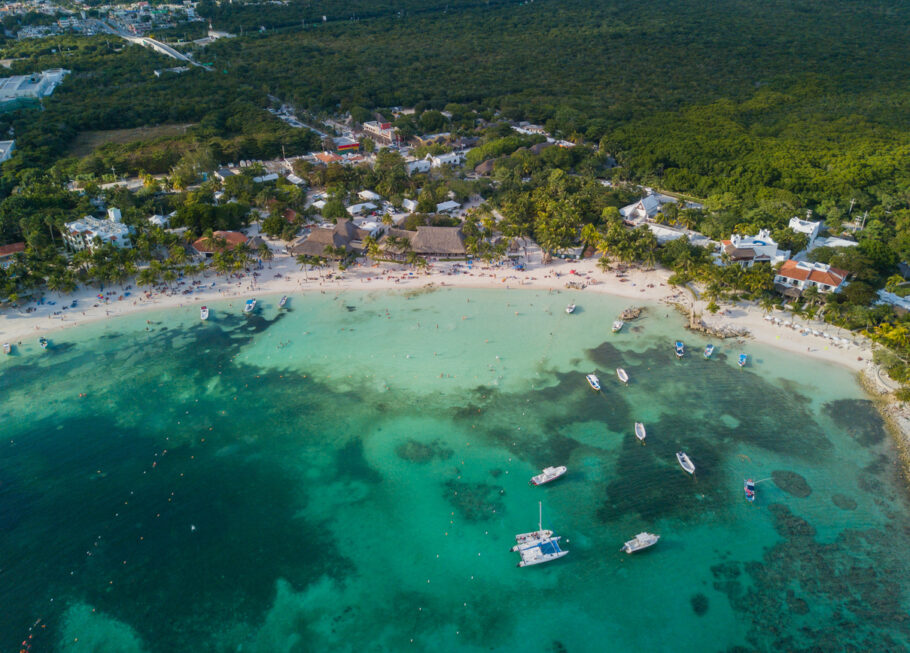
640,432
708,351
204,313
680,349
593,381
548,474
684,462
749,488
283,301
621,374
540,552
743,359
7,348
530,539
570,309
249,306
639,542
617,326
43,343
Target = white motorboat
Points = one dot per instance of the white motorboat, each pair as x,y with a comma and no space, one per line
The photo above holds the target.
570,309
548,474
283,301
622,375
684,462
709,350
593,381
7,348
680,349
43,342
204,313
530,539
640,432
249,306
617,326
639,542
543,551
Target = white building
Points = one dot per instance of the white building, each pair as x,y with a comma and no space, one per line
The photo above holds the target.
6,150
447,159
81,234
833,241
808,227
409,205
159,221
34,86
357,209
885,297
369,196
419,165
746,251
802,274
381,132
114,214
644,209
447,207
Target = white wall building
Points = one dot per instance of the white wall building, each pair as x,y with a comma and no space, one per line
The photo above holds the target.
447,159
802,274
409,205
81,234
419,165
369,196
808,227
357,209
34,86
746,251
447,207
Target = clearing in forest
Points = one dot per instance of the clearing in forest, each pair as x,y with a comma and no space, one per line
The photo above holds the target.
86,142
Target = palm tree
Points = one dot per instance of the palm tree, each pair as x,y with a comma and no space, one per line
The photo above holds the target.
147,277
265,253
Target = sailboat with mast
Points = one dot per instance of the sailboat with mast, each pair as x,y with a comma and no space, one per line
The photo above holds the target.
529,539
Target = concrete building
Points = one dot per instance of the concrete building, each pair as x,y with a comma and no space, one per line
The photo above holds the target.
808,227
409,205
382,133
800,275
31,87
6,150
447,207
642,210
81,234
448,159
746,251
418,165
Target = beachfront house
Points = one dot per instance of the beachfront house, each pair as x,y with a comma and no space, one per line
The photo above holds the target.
746,251
220,241
799,275
808,227
445,242
343,235
644,209
82,234
8,253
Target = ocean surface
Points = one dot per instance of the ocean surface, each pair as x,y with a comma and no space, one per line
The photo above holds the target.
349,475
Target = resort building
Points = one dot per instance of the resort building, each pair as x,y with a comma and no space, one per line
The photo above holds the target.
206,247
426,241
799,275
8,253
746,251
81,234
345,234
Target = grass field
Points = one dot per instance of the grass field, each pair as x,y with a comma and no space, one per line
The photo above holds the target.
87,142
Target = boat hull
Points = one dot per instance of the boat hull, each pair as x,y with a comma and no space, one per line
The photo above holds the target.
549,474
685,463
640,432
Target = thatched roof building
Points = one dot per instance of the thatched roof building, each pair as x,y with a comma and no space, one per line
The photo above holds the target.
314,243
439,241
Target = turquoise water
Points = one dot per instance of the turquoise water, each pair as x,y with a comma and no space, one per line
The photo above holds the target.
349,475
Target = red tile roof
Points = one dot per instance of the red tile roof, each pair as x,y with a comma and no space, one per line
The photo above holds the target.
327,157
830,277
233,239
12,248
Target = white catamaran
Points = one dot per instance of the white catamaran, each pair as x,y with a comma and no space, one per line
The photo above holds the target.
529,539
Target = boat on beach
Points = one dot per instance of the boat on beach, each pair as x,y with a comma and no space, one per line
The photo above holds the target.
570,309
749,488
617,326
709,350
640,432
622,375
204,313
283,301
680,349
684,461
548,474
743,359
540,552
593,381
249,306
639,542
43,342
7,348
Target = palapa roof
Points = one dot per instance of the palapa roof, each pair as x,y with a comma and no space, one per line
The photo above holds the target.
12,248
439,240
318,239
395,233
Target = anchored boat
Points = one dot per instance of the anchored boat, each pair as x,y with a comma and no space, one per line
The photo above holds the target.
743,359
548,474
617,326
749,488
593,381
7,348
204,313
543,551
283,301
640,431
621,375
684,461
680,349
529,539
639,542
570,309
708,351
43,342
249,306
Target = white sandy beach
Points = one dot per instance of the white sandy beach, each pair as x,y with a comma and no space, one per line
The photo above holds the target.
285,277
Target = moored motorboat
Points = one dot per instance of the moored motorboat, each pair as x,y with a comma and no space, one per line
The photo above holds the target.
548,474
709,350
540,552
680,349
749,488
593,381
617,326
283,301
684,461
639,542
43,342
640,432
7,348
249,306
204,313
743,359
570,309
622,375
